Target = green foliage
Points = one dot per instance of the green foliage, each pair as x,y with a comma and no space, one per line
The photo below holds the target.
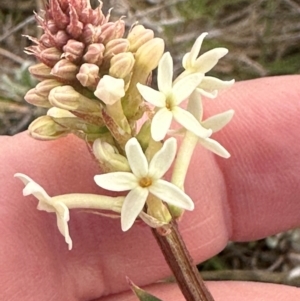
141,294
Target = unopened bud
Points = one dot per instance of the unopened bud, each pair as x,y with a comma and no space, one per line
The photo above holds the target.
108,157
91,34
50,56
88,75
138,36
60,39
73,51
75,27
44,128
65,70
38,96
67,98
112,30
121,65
70,121
149,54
41,71
110,89
114,47
94,54
157,209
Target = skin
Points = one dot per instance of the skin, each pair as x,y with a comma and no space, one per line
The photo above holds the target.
253,194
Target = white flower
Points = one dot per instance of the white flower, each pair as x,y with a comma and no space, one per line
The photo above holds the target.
62,203
145,178
168,99
110,89
215,123
47,204
209,86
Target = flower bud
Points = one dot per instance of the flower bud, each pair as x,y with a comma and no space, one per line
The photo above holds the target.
112,30
88,75
40,71
38,96
65,70
60,39
50,56
91,34
108,157
157,209
44,128
67,98
75,27
114,47
149,54
138,36
94,54
110,89
73,51
121,65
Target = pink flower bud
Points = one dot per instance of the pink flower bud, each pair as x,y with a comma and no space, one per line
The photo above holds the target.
112,30
60,18
91,34
94,54
75,27
65,70
50,56
73,51
88,75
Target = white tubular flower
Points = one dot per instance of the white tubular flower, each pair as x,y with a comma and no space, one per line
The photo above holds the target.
209,86
110,89
204,62
47,204
145,178
62,203
215,123
168,99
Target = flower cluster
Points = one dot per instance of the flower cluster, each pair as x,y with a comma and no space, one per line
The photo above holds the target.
96,85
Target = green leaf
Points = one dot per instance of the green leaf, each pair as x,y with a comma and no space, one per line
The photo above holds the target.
141,294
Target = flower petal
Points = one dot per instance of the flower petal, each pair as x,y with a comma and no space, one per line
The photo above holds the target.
136,158
165,73
215,147
185,86
154,97
188,121
161,122
190,59
171,194
133,205
211,95
62,218
195,106
209,59
117,181
163,159
210,84
217,122
31,187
